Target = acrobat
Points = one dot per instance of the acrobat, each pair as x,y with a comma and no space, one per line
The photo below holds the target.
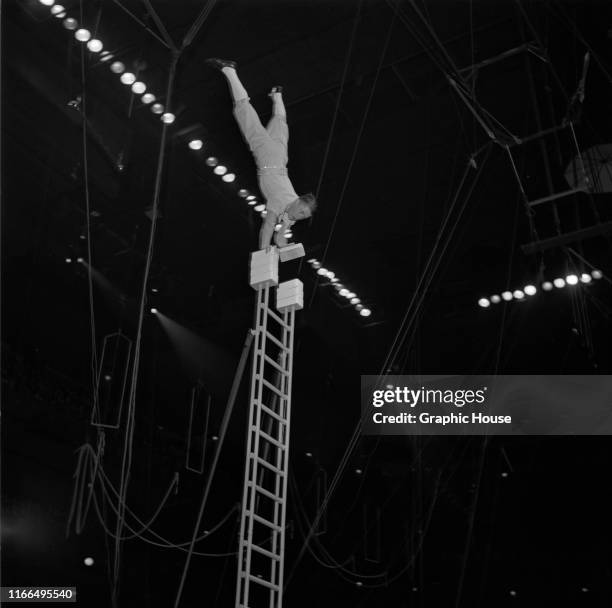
269,148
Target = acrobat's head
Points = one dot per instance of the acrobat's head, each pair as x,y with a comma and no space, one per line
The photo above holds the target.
303,207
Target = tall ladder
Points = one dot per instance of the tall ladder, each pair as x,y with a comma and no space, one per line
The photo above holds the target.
264,501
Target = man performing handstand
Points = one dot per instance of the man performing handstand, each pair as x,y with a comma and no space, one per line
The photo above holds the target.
269,148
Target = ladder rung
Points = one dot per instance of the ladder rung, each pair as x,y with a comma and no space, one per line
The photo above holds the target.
269,438
276,365
265,522
278,319
266,552
268,466
276,341
273,388
264,582
272,413
267,493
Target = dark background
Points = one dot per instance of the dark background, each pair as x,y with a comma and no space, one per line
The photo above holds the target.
427,522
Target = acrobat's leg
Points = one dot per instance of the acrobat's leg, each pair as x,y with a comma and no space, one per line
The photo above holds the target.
277,126
278,107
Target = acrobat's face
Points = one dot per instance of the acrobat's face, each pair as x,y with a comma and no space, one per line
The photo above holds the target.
299,211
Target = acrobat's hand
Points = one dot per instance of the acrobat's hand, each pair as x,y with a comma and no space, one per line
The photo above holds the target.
280,240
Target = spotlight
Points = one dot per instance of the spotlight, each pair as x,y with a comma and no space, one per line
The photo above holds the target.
108,377
154,311
211,161
253,202
220,170
195,144
518,294
585,278
139,87
47,2
338,286
358,583
350,295
58,8
316,264
157,108
484,302
243,193
80,260
148,98
597,274
70,23
355,301
571,279
228,177
330,274
308,454
259,207
559,283
117,67
358,471
366,312
547,286
359,307
61,15
250,197
127,78
344,291
322,271
168,118
82,35
105,56
68,260
495,299
507,296
530,290
88,561
334,280
95,45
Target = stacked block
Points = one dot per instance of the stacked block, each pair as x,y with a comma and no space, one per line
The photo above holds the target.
291,252
290,294
264,268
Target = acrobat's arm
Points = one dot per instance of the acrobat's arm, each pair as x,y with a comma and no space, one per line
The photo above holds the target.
267,229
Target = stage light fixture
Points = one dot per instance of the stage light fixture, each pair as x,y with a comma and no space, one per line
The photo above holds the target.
311,260
148,98
334,280
507,296
350,295
530,290
105,56
259,207
195,144
243,193
154,311
80,260
70,23
359,307
220,170
68,260
322,271
127,78
366,312
157,108
139,87
57,8
117,67
82,35
229,177
484,302
47,2
338,286
518,294
571,279
559,283
547,286
167,118
88,561
211,161
61,15
597,274
495,299
355,301
316,264
250,197
95,45
253,202
330,274
585,277
343,292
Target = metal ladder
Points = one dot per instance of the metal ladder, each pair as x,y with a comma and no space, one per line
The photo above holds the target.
264,501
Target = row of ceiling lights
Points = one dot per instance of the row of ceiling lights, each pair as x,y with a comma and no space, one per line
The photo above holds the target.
140,88
531,290
117,67
341,290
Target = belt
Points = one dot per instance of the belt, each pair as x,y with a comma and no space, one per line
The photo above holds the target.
270,170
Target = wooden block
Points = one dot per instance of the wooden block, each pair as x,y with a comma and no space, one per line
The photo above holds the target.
291,252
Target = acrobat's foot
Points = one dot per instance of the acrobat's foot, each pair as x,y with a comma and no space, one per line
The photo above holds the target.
219,64
275,91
